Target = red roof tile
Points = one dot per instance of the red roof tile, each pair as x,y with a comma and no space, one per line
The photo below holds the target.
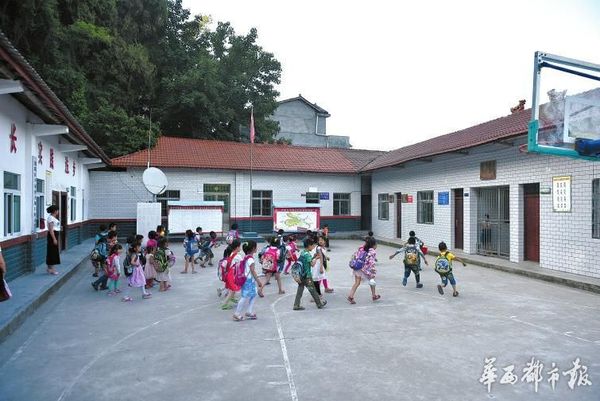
206,154
490,131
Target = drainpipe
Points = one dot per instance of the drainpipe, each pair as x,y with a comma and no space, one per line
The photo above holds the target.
317,125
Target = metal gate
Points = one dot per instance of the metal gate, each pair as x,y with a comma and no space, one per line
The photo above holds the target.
493,221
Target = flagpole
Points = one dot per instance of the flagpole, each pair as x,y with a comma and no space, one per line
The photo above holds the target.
251,158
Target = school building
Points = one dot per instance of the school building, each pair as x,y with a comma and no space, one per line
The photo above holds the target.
45,157
221,171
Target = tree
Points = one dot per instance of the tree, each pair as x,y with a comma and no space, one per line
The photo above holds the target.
112,60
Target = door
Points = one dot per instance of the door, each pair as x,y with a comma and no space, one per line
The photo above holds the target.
365,215
531,210
458,219
493,221
398,215
220,192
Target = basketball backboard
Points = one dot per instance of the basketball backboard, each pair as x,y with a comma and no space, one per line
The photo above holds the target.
565,112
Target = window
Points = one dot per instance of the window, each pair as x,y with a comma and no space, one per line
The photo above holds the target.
596,208
312,197
383,207
164,198
73,205
341,204
40,204
217,192
487,170
425,207
261,203
12,203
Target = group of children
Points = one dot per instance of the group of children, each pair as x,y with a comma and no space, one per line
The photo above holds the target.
142,265
239,272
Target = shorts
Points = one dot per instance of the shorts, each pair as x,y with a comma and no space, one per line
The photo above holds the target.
280,267
448,277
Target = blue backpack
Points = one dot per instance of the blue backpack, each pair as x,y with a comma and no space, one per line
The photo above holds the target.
358,260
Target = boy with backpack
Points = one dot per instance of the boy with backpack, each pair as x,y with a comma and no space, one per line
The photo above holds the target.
100,252
443,267
302,273
412,261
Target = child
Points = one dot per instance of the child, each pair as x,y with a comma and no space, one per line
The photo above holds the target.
322,245
152,240
150,267
232,253
412,261
318,268
198,234
367,272
249,291
291,253
270,261
418,242
233,234
136,279
191,249
369,235
160,232
161,258
101,249
443,266
307,261
326,236
206,253
113,269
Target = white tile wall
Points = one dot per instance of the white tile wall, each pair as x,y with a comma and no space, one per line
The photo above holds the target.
114,195
558,231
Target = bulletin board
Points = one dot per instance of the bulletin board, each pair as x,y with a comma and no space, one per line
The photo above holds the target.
189,215
296,218
148,217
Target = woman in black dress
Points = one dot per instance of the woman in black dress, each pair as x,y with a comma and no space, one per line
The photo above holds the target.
52,253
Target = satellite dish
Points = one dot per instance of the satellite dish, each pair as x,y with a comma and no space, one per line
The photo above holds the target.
154,180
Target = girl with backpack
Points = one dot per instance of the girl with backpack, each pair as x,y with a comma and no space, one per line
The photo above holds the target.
318,268
190,244
228,266
136,278
270,263
150,266
113,269
247,268
291,253
161,258
367,255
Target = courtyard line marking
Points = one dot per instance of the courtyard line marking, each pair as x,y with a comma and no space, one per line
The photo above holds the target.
286,359
275,366
67,391
565,334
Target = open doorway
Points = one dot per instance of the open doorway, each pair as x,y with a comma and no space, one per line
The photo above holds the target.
60,199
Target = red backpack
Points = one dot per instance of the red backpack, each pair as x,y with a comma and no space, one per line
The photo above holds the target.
269,260
240,272
224,266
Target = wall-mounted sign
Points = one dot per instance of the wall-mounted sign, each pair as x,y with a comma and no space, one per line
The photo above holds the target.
324,195
443,198
561,194
409,199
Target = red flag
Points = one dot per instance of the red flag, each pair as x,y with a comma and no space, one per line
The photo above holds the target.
252,132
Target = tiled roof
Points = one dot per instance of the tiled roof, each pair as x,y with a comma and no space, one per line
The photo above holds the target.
490,131
17,68
222,155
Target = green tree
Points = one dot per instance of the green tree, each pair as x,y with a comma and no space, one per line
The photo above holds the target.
111,61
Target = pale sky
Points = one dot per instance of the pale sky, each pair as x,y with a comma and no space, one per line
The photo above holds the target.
395,73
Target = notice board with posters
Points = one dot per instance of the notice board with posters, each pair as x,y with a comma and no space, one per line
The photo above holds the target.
296,217
187,215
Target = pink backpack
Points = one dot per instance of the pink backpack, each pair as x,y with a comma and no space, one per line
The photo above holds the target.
269,260
240,272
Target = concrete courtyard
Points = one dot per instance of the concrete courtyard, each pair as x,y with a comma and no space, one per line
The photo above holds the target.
413,344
